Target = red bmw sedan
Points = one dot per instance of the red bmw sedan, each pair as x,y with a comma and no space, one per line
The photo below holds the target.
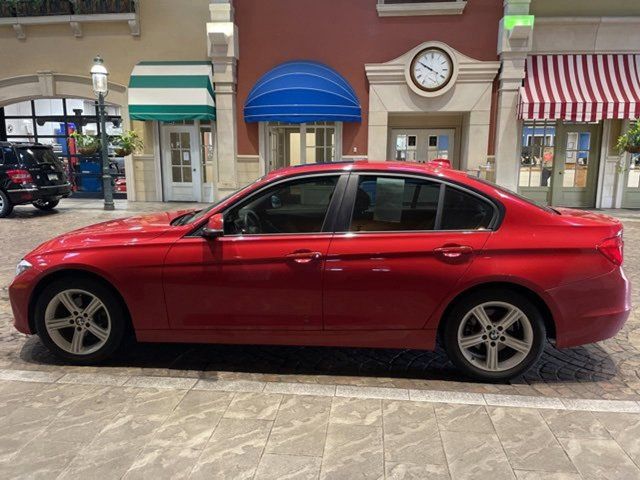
393,255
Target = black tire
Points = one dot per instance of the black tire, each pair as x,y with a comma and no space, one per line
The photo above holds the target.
473,368
113,306
6,207
46,205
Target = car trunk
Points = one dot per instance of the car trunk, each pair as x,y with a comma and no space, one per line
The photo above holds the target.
43,165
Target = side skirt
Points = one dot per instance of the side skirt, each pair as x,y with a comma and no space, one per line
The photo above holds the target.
413,339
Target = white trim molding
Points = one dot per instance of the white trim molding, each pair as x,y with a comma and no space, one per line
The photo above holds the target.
48,84
455,7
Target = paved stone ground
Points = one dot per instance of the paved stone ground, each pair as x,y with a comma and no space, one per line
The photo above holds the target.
180,411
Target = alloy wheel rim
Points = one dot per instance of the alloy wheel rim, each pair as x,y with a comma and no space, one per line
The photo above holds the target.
495,336
77,321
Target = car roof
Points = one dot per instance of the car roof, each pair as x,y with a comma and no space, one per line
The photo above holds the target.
431,168
24,144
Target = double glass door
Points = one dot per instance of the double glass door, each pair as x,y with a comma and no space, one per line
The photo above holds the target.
559,163
421,145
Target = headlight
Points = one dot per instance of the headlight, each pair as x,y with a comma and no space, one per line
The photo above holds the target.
23,266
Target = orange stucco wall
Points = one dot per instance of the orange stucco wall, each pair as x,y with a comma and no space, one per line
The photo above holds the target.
346,34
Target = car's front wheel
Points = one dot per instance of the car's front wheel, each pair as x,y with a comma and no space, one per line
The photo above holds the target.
46,205
494,335
80,320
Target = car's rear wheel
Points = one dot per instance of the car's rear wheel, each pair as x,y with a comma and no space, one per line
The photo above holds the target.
6,207
46,205
80,320
494,335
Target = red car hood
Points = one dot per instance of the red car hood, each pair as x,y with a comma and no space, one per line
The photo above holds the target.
123,231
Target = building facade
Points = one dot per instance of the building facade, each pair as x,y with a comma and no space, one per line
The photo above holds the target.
224,91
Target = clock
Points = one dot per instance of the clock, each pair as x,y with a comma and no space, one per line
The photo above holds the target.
431,69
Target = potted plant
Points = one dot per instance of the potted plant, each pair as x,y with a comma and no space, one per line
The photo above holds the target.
630,141
86,144
126,143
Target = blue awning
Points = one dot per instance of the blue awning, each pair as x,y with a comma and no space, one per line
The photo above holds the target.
302,91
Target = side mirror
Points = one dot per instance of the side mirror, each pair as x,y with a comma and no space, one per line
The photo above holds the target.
214,227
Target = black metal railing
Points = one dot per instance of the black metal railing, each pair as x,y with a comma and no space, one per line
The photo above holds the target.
38,8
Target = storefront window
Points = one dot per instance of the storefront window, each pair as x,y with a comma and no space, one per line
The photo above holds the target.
537,154
51,121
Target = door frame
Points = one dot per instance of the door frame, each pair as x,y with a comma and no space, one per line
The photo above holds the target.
196,161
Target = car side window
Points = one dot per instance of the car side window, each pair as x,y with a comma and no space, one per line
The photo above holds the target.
464,211
9,155
386,203
298,206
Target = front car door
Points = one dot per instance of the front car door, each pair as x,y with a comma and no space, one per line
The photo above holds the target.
266,271
404,244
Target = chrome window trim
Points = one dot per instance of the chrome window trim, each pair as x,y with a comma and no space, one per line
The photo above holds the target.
494,224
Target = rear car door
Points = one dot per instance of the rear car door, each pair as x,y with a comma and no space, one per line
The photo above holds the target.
405,242
265,272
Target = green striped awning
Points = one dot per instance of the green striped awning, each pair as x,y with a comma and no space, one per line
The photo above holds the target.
170,91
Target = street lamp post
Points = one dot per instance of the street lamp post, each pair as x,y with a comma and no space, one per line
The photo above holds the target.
99,75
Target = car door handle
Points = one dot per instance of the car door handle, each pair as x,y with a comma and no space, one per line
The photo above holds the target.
453,251
304,256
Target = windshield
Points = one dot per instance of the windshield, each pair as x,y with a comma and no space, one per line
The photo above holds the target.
195,216
517,195
37,156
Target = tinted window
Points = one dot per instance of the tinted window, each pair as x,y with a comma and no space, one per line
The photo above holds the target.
298,206
394,204
464,211
37,156
9,156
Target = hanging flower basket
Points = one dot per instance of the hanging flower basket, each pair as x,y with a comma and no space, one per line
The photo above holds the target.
630,140
126,143
632,148
88,150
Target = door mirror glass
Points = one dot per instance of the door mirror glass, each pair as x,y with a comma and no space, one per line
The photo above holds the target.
214,227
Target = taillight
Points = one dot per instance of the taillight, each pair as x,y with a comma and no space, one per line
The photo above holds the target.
612,249
20,176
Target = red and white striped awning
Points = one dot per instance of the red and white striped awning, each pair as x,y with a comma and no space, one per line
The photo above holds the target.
581,88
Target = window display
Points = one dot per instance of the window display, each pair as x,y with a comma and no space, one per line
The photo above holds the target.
52,121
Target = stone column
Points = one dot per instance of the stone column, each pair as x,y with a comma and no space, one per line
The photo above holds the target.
513,54
222,38
378,131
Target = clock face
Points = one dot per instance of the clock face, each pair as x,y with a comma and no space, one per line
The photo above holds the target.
431,69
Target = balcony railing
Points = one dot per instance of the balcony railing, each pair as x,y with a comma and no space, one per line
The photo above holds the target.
43,8
23,13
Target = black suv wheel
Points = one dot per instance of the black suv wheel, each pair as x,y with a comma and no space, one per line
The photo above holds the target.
6,206
46,205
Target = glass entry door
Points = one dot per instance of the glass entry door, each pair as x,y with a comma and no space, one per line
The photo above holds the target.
181,164
575,169
421,145
559,163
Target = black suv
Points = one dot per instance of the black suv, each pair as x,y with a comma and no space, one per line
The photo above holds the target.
30,173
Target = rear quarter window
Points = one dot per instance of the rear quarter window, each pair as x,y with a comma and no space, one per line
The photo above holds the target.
465,211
